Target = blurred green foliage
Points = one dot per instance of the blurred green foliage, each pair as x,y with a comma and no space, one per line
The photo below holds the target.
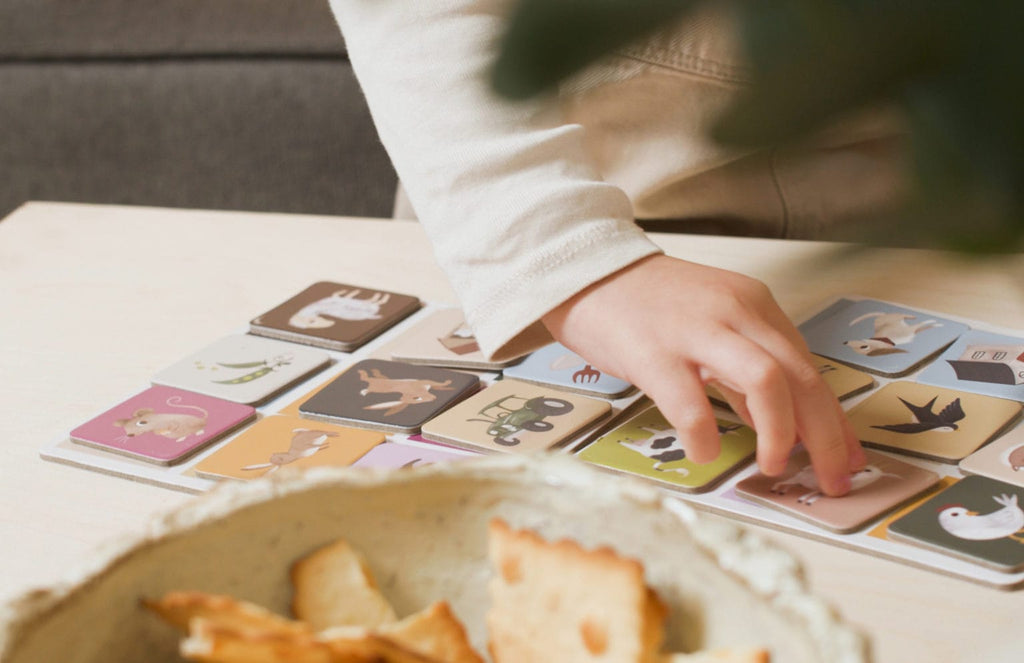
955,68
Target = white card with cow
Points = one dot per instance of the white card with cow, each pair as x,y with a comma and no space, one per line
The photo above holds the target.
879,337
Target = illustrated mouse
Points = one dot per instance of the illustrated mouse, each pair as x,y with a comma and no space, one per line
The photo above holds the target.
174,425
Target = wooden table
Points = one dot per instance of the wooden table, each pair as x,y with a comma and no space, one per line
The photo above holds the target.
95,299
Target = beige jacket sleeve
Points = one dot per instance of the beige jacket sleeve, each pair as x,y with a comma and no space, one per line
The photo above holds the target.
518,216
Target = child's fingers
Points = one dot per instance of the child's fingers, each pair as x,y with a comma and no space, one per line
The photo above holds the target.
679,395
746,367
820,423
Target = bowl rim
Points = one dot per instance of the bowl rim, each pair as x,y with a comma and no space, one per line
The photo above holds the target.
771,573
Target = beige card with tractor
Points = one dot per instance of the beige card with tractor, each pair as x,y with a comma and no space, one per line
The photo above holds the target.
514,416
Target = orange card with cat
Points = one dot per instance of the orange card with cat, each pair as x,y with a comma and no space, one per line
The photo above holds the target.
280,441
162,425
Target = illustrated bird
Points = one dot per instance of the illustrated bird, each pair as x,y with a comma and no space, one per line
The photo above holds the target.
927,420
1006,522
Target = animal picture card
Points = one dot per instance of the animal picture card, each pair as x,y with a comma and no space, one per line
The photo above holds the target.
162,425
398,455
1002,459
977,519
844,381
244,368
389,395
877,336
511,415
442,339
981,362
648,446
558,366
278,441
930,422
335,316
881,529
883,485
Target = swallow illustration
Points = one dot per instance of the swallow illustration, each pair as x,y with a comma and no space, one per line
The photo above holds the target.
927,420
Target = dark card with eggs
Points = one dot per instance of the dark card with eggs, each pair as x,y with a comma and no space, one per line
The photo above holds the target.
977,519
162,425
388,395
877,336
335,316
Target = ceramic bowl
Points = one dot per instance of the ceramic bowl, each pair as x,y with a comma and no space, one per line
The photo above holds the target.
424,532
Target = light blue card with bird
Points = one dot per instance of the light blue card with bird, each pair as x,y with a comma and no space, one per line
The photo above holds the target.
981,362
877,336
977,519
558,366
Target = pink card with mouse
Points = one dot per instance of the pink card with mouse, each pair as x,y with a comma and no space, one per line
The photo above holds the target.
162,425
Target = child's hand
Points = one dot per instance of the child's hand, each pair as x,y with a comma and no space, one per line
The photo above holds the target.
671,326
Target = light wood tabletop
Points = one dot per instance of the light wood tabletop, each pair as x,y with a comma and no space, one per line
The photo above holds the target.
95,299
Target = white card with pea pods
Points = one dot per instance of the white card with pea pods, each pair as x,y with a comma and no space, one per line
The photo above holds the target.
244,368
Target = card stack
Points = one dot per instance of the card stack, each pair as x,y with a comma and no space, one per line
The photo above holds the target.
334,316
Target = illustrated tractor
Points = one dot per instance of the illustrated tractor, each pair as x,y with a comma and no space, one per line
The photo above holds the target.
506,420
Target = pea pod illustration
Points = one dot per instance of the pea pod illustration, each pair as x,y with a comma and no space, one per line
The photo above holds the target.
251,364
262,368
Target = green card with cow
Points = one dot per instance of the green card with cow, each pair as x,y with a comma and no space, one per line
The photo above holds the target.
648,445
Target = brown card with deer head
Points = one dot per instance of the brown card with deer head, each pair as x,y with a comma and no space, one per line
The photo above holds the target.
389,395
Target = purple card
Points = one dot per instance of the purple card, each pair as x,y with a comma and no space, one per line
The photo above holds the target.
395,454
162,425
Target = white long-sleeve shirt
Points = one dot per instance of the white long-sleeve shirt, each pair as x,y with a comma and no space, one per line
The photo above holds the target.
528,203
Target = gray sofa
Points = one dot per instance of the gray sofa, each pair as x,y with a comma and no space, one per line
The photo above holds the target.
224,104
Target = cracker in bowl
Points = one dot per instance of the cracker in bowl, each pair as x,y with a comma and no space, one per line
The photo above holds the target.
560,602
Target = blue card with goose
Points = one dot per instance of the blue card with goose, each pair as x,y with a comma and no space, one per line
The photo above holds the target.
877,336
